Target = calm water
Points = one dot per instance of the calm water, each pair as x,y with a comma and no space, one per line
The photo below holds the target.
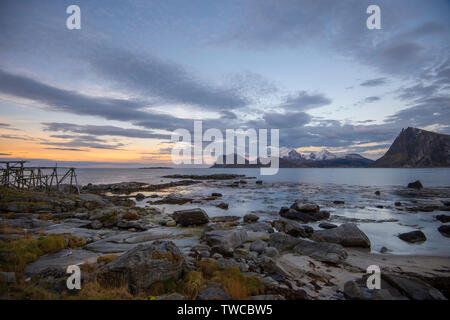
355,186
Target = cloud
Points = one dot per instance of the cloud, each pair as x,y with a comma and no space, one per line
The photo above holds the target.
166,81
374,82
102,130
66,149
372,99
302,101
84,141
286,120
5,154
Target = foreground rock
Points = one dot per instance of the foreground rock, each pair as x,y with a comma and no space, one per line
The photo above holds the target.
393,287
443,218
325,252
445,230
347,235
293,228
225,240
190,217
142,266
213,291
413,236
305,211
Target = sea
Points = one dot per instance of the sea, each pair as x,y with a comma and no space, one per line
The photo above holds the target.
376,215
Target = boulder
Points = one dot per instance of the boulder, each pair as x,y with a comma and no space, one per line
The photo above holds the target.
250,218
392,287
444,230
305,211
443,218
258,246
142,266
322,251
413,236
259,227
415,185
139,197
222,205
347,235
327,225
190,217
282,241
293,228
225,240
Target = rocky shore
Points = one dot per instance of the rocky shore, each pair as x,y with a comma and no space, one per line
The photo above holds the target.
129,248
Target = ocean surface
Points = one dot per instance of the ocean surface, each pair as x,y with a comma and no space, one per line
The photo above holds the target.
375,214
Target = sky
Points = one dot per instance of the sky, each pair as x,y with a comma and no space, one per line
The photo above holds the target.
112,92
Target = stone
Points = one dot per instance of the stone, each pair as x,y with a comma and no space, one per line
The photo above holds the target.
413,236
139,197
444,230
143,265
305,211
398,204
213,291
96,224
264,227
327,225
347,235
293,228
271,252
322,251
222,205
339,202
443,218
171,223
190,217
258,246
282,241
250,218
216,194
225,239
225,219
415,185
377,193
258,182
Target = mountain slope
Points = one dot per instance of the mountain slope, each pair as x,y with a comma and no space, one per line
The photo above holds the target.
417,148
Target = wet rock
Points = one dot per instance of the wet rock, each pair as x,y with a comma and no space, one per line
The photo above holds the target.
216,194
250,218
259,227
258,246
415,185
219,176
305,211
398,204
222,205
140,197
293,228
258,182
445,230
384,250
347,235
413,236
339,202
322,251
213,291
190,217
142,266
171,200
377,193
225,219
443,218
327,225
225,239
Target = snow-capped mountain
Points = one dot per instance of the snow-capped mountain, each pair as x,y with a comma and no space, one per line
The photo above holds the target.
290,154
325,155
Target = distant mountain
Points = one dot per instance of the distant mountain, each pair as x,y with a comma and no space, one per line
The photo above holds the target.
417,148
325,155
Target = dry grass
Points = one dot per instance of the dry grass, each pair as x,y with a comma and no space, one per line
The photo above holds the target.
237,285
106,258
94,291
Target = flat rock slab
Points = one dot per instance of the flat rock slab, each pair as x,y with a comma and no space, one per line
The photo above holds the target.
347,235
60,260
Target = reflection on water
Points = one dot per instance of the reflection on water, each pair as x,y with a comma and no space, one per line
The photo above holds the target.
354,186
